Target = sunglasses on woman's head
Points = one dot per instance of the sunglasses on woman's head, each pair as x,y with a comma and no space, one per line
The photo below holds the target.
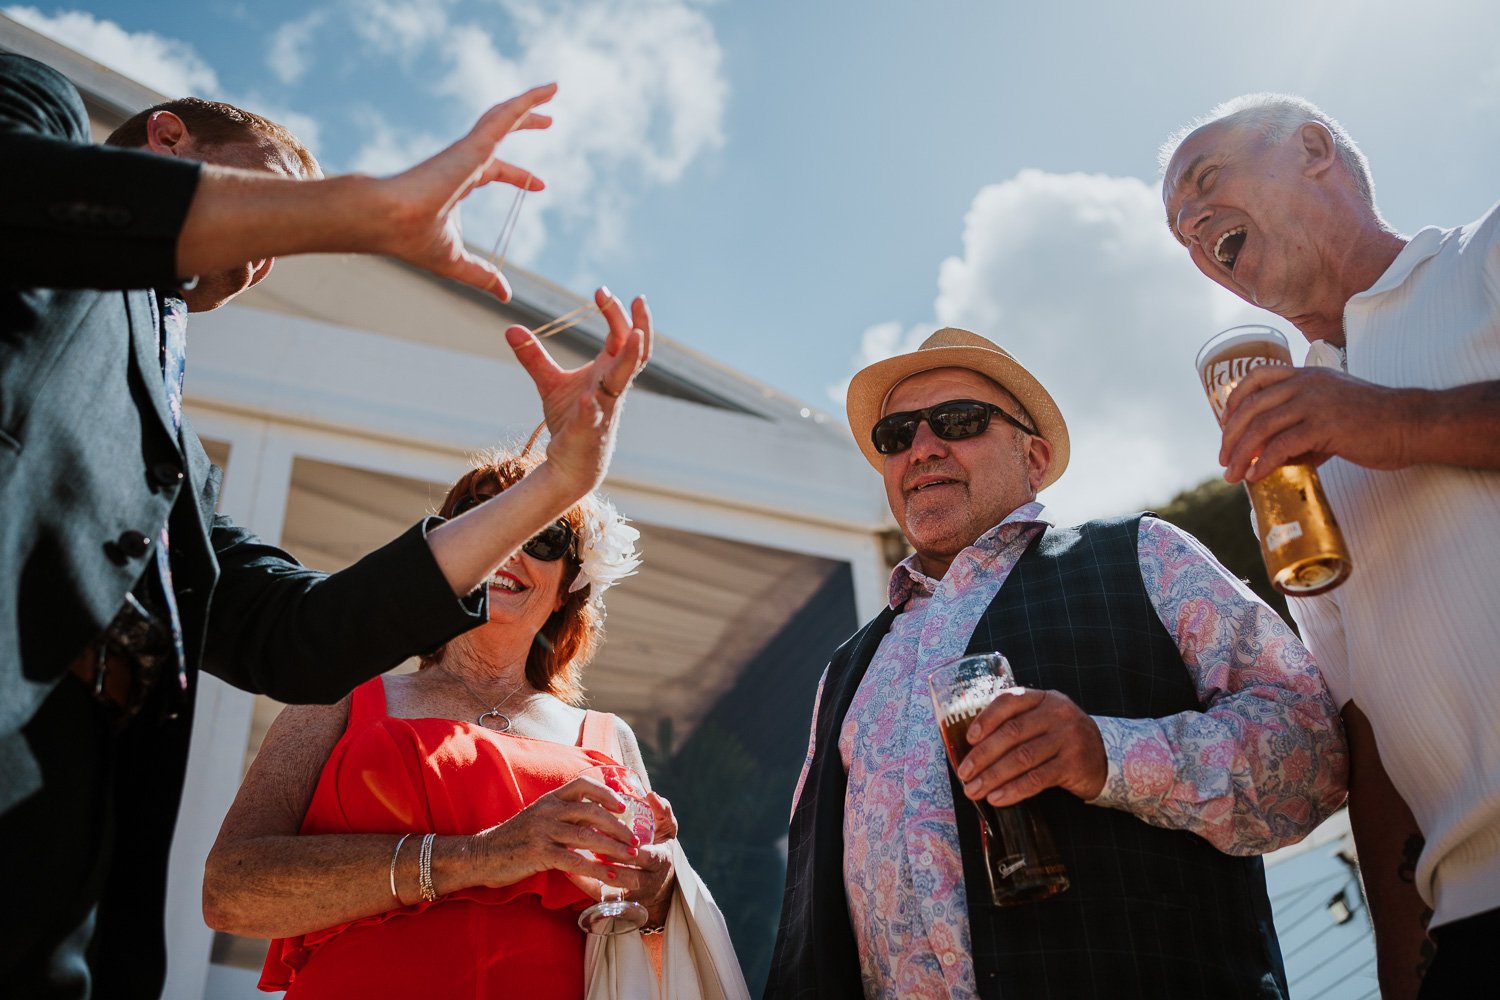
548,545
953,420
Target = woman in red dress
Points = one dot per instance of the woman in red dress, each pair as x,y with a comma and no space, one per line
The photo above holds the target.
422,837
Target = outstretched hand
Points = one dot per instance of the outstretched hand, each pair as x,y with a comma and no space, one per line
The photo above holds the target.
1279,414
424,200
581,405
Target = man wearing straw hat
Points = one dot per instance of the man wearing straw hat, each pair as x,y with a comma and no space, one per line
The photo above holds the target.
1171,727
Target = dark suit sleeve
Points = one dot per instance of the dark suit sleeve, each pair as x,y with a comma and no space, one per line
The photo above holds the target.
74,215
302,636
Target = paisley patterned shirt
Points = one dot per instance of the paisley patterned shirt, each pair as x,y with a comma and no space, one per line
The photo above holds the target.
1262,765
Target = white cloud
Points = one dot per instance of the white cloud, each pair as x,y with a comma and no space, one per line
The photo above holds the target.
641,81
1077,276
168,65
399,27
642,96
290,53
387,149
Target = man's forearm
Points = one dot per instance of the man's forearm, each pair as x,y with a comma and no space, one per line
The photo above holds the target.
241,215
1458,426
90,217
1211,774
1264,760
469,548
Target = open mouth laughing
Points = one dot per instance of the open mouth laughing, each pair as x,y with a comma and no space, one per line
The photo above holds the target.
506,582
1227,248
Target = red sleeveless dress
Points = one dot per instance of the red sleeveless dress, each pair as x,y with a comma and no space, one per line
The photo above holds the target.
396,776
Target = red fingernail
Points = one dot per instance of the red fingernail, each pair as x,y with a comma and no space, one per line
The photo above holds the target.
612,873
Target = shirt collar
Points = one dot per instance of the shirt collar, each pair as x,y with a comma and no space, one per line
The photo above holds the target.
1322,354
1426,243
907,578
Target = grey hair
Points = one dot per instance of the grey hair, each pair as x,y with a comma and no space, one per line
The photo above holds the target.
1277,116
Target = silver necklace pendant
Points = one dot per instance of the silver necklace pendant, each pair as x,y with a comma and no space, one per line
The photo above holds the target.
503,725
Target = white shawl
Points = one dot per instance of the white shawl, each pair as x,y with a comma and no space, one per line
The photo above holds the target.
697,956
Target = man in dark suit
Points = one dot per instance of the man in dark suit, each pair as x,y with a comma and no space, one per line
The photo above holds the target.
119,582
1169,727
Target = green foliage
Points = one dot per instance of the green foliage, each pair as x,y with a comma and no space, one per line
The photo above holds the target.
1218,515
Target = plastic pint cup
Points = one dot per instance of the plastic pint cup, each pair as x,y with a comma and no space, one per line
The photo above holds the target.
1300,541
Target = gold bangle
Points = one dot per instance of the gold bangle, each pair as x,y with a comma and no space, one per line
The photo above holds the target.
394,855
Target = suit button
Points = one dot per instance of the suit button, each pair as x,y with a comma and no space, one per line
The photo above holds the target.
166,473
134,544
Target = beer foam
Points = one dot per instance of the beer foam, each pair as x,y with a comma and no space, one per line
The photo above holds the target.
968,703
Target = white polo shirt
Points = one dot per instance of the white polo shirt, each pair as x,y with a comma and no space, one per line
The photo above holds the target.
1413,637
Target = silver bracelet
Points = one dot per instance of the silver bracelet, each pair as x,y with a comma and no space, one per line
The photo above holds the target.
394,855
424,870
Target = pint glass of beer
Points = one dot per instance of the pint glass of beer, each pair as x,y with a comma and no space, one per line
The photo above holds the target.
1019,855
1300,541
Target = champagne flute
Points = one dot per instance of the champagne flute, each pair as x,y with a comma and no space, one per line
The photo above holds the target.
614,914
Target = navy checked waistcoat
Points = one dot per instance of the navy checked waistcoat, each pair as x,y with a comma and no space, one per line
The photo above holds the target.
1151,912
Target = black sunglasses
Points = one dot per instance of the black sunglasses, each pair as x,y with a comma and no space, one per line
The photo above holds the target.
549,545
953,420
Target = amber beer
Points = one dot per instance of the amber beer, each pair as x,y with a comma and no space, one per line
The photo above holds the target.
1300,541
1020,857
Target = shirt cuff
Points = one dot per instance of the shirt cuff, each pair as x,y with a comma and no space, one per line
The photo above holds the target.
1140,769
455,613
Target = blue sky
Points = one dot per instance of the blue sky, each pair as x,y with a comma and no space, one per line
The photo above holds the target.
802,187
